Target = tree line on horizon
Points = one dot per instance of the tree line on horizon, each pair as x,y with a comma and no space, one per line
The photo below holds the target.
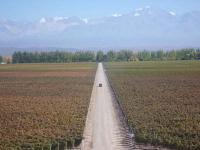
92,56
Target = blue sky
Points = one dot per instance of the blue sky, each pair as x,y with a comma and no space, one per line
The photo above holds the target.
30,10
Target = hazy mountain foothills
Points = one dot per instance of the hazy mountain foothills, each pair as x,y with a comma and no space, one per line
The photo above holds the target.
144,27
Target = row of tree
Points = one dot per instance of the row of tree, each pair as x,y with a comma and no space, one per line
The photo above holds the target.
89,56
184,54
53,57
127,55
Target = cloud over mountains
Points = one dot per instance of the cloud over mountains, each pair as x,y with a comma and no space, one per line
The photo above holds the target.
143,28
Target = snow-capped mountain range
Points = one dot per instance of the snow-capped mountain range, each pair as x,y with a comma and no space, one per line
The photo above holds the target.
142,28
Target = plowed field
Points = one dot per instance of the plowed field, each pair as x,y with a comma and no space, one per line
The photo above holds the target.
43,103
161,100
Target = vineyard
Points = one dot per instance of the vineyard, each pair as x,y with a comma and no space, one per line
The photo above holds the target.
44,105
161,100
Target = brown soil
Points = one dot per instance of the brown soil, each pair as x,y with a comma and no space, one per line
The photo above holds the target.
45,74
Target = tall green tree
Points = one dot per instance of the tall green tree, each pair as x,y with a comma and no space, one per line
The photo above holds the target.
171,55
100,56
144,55
160,55
1,59
128,54
111,56
197,54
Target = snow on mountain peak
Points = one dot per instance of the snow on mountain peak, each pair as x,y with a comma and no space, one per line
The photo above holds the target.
143,8
172,13
147,7
117,15
142,11
139,9
59,18
42,20
137,14
143,23
85,20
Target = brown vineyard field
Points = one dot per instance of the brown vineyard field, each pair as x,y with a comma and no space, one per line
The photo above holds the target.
43,103
161,100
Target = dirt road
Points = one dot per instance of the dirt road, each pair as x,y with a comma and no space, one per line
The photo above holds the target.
105,129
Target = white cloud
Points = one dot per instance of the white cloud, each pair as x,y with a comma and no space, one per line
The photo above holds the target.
172,13
117,15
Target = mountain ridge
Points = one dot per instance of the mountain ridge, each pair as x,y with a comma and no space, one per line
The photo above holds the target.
142,28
